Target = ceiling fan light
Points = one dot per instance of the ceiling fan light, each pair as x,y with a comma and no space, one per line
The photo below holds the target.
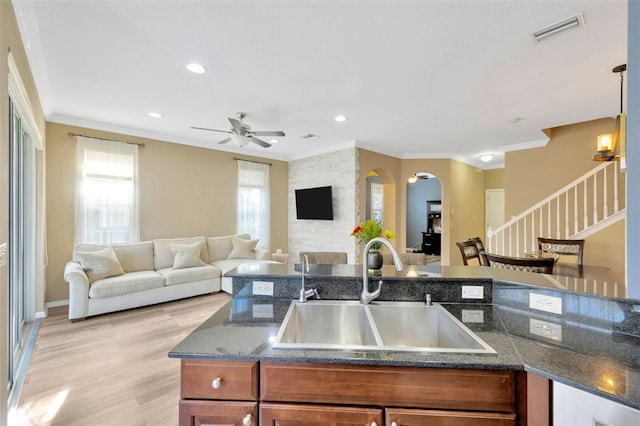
154,114
340,118
274,141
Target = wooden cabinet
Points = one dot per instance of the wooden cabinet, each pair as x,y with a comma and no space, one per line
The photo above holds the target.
431,243
218,393
272,393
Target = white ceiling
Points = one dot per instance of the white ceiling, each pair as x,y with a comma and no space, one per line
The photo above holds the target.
416,79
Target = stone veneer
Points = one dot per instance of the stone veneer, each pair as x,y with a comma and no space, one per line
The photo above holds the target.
338,170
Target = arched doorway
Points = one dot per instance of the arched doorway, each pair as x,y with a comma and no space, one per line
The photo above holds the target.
424,214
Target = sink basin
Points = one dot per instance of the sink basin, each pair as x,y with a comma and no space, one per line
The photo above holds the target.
389,326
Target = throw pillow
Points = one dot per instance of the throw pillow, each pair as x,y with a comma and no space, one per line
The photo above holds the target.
100,264
242,249
186,255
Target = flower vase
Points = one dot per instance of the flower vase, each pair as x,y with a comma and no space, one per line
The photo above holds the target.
374,260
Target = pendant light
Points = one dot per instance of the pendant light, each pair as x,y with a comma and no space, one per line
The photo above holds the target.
608,143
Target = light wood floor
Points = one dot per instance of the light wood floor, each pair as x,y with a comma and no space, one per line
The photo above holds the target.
111,369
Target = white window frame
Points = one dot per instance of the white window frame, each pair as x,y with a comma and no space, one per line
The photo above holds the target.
253,211
107,201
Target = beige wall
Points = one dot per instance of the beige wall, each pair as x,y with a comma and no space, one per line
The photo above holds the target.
532,175
494,179
184,191
10,42
567,156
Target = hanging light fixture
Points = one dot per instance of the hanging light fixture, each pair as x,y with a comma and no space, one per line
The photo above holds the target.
608,144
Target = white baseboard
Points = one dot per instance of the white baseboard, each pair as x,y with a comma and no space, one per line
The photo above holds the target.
56,303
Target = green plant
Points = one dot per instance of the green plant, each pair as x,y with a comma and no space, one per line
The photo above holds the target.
369,230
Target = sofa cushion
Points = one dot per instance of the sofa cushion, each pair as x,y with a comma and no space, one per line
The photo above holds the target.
198,273
131,282
162,256
186,255
242,249
220,247
133,257
100,263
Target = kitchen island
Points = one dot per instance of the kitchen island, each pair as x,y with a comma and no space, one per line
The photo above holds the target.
592,345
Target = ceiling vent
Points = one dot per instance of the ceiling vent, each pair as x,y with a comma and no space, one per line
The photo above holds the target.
576,21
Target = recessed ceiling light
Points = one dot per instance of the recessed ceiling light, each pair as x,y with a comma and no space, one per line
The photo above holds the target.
486,157
196,68
274,141
340,118
155,115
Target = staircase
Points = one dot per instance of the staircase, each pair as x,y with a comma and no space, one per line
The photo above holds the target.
582,208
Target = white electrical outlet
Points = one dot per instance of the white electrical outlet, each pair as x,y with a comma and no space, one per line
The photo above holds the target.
472,292
262,310
545,329
263,288
3,254
472,316
545,303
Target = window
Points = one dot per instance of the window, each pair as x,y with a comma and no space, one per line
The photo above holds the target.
106,192
253,201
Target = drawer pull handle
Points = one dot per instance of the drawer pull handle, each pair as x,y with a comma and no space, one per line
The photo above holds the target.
247,420
216,383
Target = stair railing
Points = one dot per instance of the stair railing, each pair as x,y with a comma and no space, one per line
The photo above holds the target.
577,210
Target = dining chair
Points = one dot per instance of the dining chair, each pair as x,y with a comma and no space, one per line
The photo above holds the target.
469,252
562,247
543,265
480,246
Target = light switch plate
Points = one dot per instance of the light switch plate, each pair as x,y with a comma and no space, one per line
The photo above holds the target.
545,303
545,329
472,292
263,288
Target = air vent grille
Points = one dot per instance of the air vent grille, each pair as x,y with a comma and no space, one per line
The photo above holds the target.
576,21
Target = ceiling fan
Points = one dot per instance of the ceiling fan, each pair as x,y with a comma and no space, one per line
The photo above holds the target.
241,133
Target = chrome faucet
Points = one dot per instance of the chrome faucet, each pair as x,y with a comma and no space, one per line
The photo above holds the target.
305,294
366,296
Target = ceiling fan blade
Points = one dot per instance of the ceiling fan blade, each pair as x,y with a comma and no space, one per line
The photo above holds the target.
260,142
235,123
267,133
227,140
211,130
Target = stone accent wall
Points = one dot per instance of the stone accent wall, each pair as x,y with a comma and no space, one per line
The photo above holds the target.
338,170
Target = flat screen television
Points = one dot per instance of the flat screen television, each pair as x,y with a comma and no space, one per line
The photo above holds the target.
314,203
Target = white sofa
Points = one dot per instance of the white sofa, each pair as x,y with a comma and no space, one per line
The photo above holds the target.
109,278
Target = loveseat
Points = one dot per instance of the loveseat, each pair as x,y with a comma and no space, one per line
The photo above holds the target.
109,278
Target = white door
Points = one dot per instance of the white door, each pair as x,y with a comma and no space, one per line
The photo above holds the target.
493,209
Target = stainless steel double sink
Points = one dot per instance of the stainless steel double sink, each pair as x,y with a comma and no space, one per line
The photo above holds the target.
388,326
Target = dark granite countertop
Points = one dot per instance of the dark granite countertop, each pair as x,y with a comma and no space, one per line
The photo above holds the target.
598,349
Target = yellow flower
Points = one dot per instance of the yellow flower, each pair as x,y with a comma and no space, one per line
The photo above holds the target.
389,234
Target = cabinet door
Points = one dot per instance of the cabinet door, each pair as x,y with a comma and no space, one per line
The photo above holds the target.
218,413
318,415
408,417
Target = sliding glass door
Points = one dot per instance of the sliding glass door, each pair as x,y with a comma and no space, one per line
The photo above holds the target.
21,249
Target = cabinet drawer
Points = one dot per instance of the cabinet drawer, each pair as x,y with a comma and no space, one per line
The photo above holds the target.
219,380
318,415
438,388
227,413
408,417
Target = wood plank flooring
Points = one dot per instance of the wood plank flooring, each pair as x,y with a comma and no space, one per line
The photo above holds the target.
110,369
